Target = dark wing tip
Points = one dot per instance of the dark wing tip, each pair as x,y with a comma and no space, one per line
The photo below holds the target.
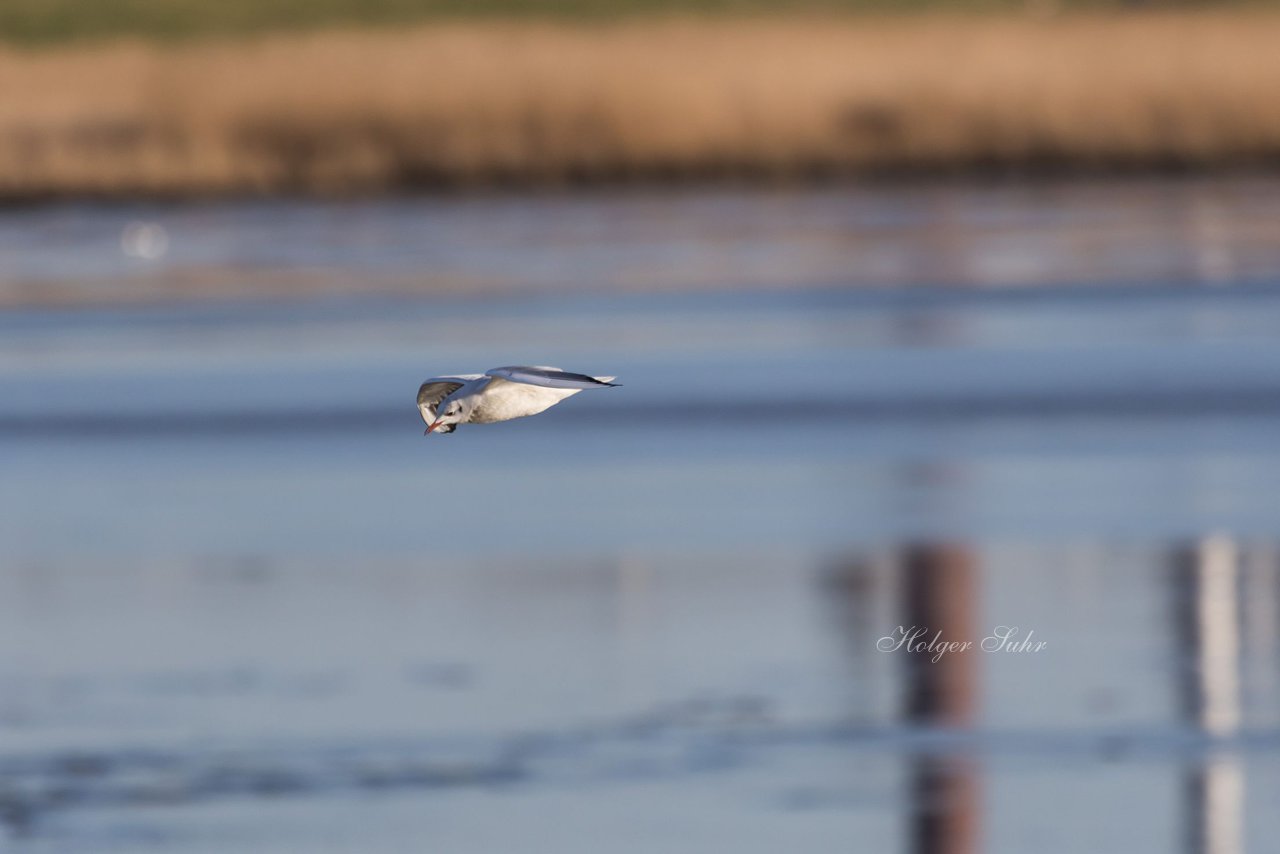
586,378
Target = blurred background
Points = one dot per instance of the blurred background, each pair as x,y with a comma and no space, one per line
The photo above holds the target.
941,316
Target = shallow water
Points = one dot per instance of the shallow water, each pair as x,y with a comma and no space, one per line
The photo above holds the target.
246,606
1191,231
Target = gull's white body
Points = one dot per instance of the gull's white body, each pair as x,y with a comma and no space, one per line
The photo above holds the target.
500,394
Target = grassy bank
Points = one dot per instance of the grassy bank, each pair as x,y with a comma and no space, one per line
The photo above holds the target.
52,21
539,103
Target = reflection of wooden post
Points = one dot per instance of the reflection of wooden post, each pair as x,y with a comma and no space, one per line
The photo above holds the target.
1207,629
939,592
940,586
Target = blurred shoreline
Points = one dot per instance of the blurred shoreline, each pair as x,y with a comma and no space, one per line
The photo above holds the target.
661,101
1138,233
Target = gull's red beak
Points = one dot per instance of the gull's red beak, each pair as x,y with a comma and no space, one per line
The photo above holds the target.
432,426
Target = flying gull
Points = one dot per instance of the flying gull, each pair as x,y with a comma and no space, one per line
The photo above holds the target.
497,395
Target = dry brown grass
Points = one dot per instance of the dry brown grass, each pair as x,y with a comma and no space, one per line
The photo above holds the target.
475,103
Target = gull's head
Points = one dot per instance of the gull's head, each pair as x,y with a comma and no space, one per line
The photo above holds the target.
449,415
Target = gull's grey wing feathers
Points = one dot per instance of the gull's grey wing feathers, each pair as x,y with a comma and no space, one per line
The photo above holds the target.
547,377
436,389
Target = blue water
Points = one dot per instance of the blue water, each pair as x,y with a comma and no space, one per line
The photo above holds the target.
246,606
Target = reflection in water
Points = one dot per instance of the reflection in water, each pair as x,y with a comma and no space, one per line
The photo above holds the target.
939,594
1225,618
938,587
507,696
1206,577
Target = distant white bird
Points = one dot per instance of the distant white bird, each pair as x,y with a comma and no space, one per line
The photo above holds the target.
497,395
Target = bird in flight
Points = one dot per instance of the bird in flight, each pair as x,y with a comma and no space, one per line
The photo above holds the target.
497,395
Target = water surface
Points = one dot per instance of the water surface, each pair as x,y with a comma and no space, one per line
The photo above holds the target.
245,605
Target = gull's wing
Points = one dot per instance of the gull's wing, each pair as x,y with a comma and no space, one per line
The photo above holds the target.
436,389
548,377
